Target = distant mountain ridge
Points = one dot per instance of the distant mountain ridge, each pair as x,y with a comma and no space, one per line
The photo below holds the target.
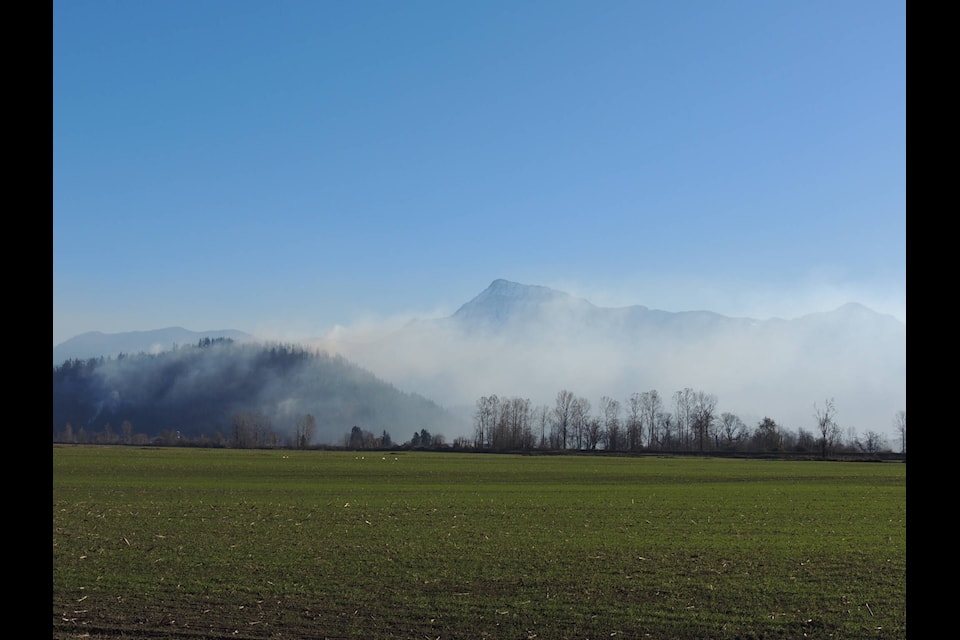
533,341
94,344
510,310
505,303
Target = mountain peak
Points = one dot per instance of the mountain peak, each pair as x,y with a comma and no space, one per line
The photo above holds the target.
504,302
501,287
503,291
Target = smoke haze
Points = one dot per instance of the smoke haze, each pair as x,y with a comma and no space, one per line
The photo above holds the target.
518,340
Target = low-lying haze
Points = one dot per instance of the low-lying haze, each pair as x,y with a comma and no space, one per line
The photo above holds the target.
328,172
537,346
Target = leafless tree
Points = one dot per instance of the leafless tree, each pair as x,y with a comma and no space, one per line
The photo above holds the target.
562,416
610,410
243,430
872,442
524,413
901,424
500,434
488,410
266,436
805,440
632,425
732,429
651,406
826,424
704,413
305,426
580,415
126,428
666,428
253,430
683,415
594,432
513,427
542,415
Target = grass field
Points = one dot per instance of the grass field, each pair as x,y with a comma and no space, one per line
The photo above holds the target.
216,543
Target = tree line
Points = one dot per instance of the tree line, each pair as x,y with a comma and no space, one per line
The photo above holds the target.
221,394
251,430
688,420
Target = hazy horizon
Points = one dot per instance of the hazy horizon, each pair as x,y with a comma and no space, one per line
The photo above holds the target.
752,305
756,369
314,170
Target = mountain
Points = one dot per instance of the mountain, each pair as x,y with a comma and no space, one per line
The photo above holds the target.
197,390
509,307
531,341
95,344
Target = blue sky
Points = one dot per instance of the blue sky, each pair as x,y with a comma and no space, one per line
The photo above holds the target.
281,167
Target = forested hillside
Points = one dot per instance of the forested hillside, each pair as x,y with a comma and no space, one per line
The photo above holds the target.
218,390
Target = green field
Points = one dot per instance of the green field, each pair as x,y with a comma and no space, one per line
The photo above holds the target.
217,543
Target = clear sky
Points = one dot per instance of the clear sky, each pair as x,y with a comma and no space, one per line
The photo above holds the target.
281,167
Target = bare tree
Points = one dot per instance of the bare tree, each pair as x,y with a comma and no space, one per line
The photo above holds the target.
523,417
634,422
594,432
704,412
651,405
610,410
805,440
266,436
484,420
562,415
126,428
252,430
901,424
512,430
305,427
872,442
683,415
243,430
542,415
826,424
666,428
500,435
852,441
732,429
788,439
580,415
